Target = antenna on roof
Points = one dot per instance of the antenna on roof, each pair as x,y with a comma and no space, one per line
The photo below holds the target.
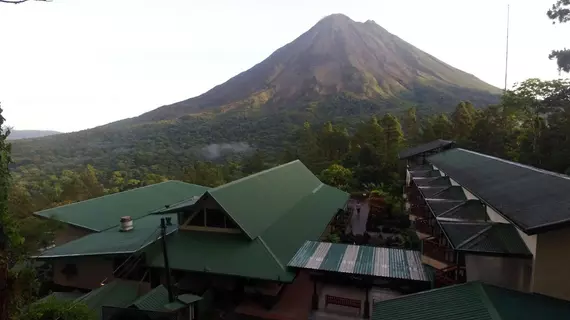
507,51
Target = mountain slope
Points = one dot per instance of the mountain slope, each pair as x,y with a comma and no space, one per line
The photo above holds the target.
26,134
336,55
339,70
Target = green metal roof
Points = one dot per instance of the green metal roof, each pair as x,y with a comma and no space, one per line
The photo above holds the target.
113,241
232,254
472,301
157,300
118,293
154,300
105,212
361,260
63,296
485,237
257,201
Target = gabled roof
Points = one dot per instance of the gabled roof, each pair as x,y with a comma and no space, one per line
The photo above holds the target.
468,210
113,241
430,173
440,206
472,301
234,254
485,238
105,212
442,181
451,193
270,194
426,147
534,200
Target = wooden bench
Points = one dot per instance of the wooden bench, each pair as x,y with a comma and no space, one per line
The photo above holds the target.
345,302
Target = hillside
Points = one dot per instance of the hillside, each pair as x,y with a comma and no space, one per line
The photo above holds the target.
339,70
26,134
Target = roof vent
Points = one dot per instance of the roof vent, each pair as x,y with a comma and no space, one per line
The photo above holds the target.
126,224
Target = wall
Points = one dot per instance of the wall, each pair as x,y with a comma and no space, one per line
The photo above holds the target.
70,233
511,273
90,272
551,273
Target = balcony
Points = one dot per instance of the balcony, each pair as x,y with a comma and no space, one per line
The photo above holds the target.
434,250
422,225
449,276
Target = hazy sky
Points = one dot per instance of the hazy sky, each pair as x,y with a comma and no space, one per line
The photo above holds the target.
69,65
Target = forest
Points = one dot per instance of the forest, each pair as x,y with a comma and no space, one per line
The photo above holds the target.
531,125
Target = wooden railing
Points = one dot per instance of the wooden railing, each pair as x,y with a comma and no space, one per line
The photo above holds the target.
434,250
422,225
450,276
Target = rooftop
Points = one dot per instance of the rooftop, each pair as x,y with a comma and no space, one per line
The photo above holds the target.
288,206
361,260
485,238
114,241
535,200
426,147
472,301
105,212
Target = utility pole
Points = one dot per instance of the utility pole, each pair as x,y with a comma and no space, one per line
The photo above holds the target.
166,264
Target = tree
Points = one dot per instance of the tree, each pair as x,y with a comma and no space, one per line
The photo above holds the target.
53,308
463,122
560,13
10,238
337,176
411,127
394,139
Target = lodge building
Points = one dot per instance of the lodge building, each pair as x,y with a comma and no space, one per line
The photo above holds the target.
489,219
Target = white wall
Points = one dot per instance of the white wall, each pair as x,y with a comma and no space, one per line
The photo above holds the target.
511,273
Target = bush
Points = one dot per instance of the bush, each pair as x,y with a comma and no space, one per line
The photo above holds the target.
52,308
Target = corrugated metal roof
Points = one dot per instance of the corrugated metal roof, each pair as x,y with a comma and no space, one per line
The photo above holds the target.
440,206
276,191
113,241
471,301
154,300
426,147
105,212
472,210
232,254
485,237
361,260
535,200
451,193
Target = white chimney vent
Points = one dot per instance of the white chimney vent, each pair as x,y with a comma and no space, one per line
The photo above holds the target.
126,223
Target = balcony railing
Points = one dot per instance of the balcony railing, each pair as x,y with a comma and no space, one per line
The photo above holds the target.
449,276
422,225
434,250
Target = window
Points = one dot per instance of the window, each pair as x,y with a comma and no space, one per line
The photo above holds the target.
198,219
215,218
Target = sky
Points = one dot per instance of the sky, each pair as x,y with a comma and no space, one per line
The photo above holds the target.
69,65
